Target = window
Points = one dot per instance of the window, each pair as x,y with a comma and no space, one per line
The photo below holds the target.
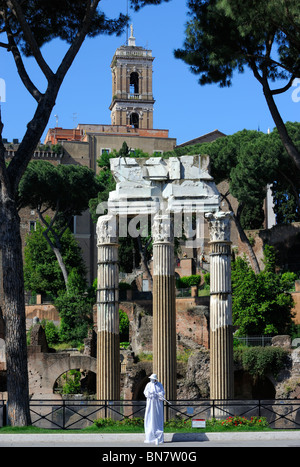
105,150
134,83
32,226
134,120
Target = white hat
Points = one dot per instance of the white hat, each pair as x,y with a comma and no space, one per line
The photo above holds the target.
154,376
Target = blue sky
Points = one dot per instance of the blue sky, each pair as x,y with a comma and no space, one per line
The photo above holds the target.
182,106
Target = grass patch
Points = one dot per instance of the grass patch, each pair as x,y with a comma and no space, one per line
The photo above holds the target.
25,429
136,425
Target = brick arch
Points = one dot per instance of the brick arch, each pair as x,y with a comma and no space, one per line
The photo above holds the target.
44,369
72,363
139,388
247,387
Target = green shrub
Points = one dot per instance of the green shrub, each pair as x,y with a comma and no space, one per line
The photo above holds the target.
185,425
72,385
188,281
259,361
184,355
51,332
288,281
123,326
75,307
106,422
230,422
124,345
260,303
144,357
206,278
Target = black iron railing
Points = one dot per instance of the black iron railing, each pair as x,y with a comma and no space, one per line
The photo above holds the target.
78,414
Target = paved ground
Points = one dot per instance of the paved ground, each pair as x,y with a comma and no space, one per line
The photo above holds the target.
128,445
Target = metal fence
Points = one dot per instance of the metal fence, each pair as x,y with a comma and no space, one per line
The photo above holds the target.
252,341
182,293
78,414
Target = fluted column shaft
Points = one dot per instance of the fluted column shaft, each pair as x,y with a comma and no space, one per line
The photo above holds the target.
221,332
164,310
108,340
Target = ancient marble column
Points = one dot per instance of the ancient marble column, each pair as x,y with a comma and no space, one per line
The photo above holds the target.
164,310
221,332
108,340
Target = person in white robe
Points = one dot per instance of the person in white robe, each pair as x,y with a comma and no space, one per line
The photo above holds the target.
154,415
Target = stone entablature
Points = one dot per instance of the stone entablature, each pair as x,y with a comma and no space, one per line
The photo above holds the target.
126,51
182,183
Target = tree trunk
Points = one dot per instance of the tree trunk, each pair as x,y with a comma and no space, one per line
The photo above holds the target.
14,316
10,240
144,262
243,237
61,265
245,240
282,131
56,251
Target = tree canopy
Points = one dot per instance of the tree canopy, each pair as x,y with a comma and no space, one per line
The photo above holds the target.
57,193
42,273
261,302
65,189
75,307
224,36
250,161
58,18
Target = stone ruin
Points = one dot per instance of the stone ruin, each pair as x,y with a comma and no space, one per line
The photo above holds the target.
163,191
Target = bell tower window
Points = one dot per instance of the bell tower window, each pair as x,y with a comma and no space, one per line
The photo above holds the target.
134,120
134,83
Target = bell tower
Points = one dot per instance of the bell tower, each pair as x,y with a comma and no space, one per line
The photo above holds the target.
132,96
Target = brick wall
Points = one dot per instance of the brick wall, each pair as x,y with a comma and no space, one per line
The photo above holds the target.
296,309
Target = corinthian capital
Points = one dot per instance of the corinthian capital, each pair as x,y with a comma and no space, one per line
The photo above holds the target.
219,226
162,228
107,229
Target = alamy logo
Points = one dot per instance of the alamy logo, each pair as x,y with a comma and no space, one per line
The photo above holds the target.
2,90
296,92
185,226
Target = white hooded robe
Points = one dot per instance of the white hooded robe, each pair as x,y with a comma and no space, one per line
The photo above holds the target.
154,415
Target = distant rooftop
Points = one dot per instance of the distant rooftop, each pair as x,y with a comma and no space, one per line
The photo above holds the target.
55,135
207,138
